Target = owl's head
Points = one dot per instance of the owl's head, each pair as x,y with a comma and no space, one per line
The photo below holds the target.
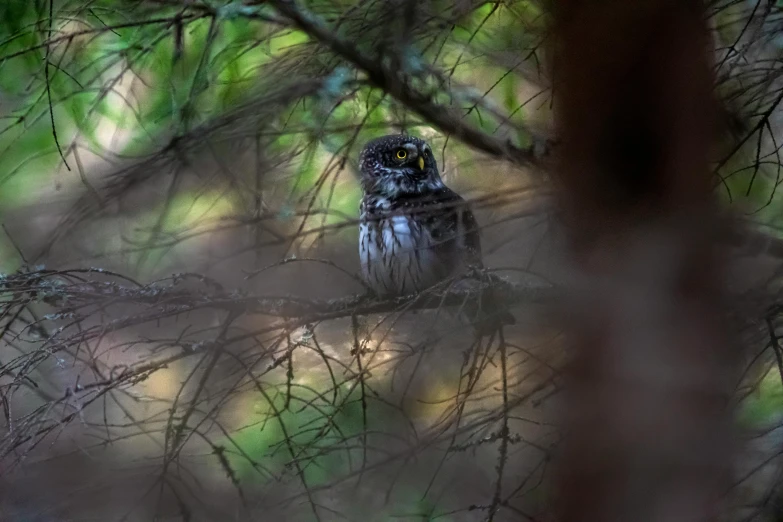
398,165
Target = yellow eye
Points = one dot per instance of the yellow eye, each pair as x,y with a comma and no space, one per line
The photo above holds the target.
402,154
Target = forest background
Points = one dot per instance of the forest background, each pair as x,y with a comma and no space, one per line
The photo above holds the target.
184,336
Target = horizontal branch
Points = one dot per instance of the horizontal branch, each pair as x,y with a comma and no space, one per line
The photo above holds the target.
505,293
169,299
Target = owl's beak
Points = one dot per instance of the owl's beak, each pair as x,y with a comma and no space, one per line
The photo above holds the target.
421,163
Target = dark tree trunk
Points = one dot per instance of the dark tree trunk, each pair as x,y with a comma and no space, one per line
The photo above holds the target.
648,417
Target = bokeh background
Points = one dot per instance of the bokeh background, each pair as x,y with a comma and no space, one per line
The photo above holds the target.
174,174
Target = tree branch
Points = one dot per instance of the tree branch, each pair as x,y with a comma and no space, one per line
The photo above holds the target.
440,116
47,286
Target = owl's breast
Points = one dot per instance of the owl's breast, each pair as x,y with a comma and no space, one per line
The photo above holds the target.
402,255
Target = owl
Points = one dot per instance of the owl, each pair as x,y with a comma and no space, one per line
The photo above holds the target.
414,231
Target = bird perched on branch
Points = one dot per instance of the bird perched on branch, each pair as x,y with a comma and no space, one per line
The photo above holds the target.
414,231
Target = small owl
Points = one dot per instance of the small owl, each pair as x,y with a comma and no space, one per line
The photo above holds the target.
414,231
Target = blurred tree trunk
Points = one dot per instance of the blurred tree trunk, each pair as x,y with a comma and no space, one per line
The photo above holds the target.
648,416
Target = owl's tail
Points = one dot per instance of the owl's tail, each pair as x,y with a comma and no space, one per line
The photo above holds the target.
486,313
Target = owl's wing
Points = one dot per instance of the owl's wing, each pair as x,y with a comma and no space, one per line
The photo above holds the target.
470,234
485,315
456,226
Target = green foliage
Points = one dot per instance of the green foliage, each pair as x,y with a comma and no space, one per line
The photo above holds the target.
322,433
308,425
765,405
159,71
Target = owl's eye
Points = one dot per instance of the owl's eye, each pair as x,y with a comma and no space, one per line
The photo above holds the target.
402,154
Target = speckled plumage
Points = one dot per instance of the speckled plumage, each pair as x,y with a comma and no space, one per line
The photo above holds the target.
414,231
